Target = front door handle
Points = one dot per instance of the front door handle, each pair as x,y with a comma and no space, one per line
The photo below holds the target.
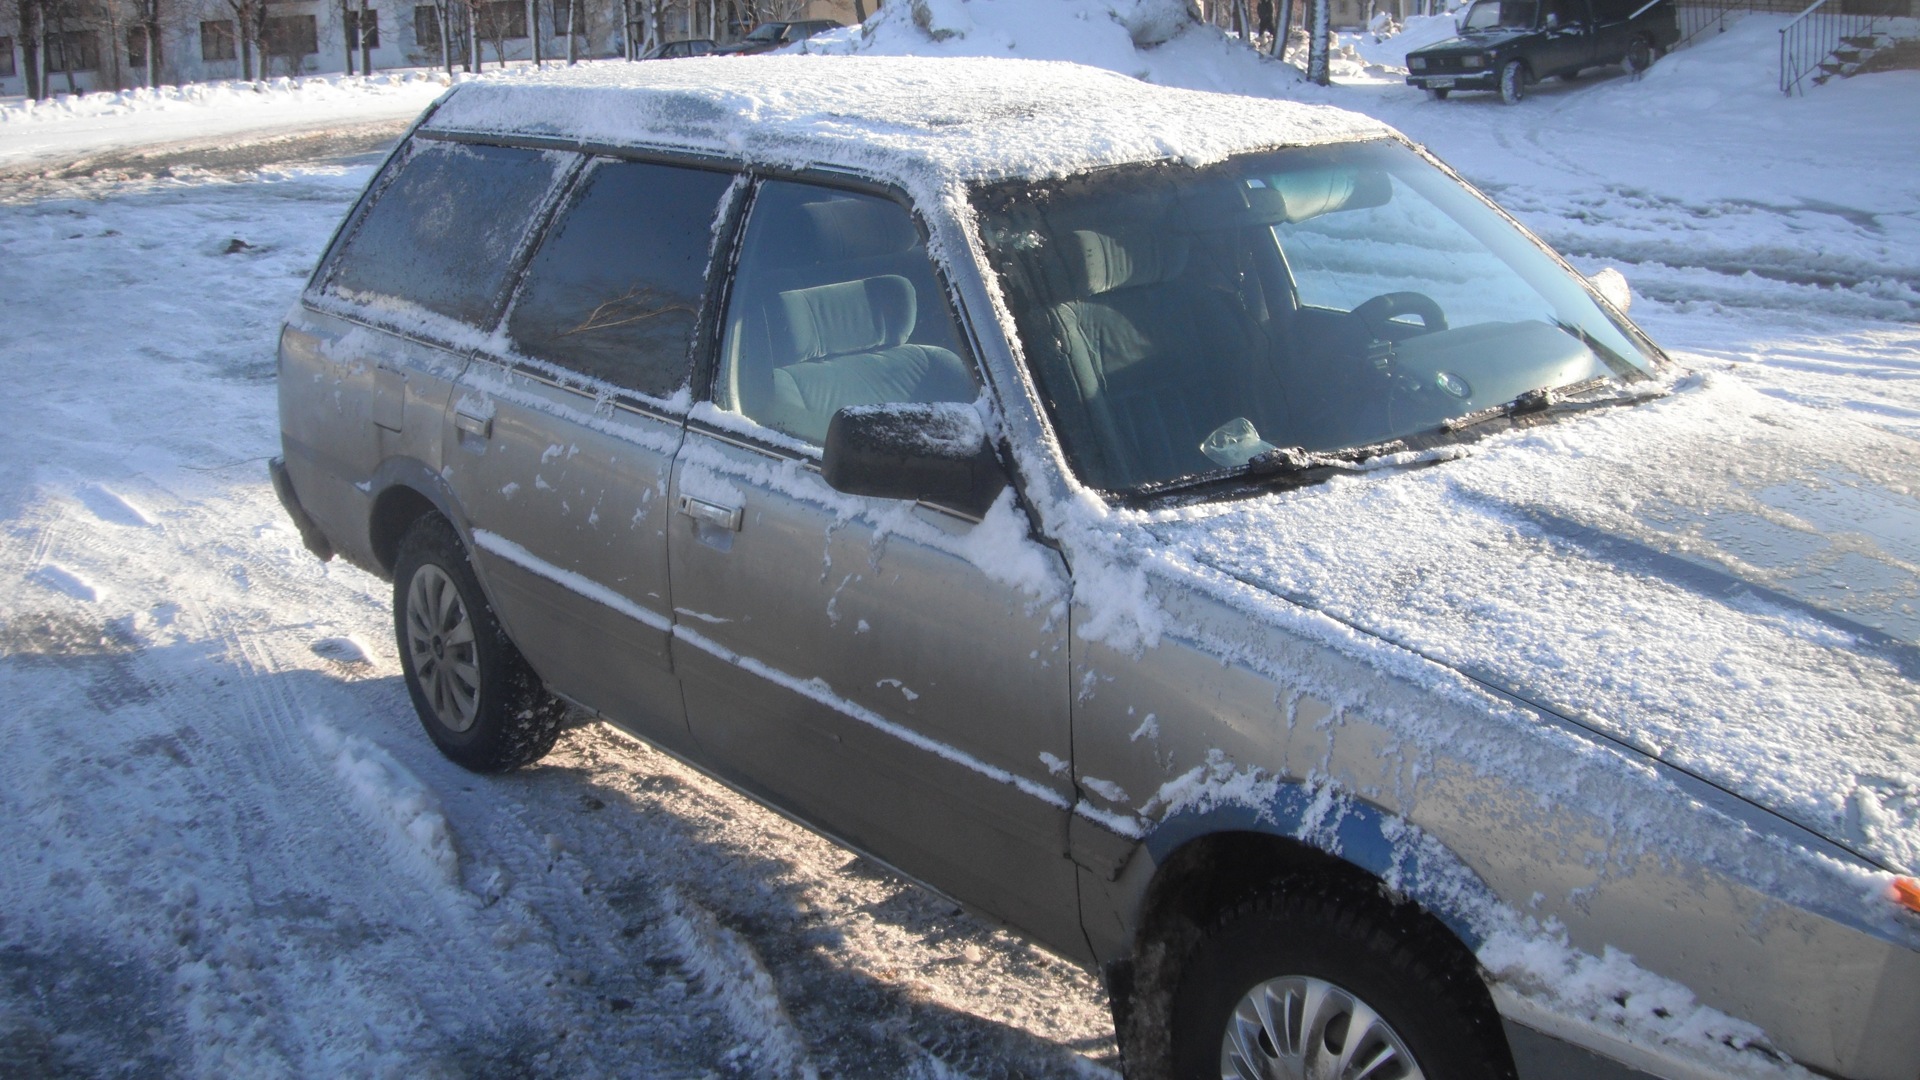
726,517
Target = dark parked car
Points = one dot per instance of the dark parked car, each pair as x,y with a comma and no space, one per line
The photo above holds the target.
1505,45
676,50
769,36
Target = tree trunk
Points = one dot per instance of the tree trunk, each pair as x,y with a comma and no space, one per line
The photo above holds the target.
1318,61
348,31
1283,31
366,50
473,36
573,43
860,10
114,45
533,29
446,37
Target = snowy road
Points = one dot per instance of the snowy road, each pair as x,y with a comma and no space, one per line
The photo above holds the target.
231,850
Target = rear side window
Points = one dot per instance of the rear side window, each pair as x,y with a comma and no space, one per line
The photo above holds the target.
615,289
443,232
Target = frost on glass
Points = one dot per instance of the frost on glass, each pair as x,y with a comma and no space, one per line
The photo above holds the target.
442,233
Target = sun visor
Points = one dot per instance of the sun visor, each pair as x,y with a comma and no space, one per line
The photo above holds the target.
1308,193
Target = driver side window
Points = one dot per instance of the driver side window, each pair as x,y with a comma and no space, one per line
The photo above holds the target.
834,304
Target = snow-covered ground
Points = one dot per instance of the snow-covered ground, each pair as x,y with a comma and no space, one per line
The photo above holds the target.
233,853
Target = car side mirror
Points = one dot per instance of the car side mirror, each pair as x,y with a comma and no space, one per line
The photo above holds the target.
1612,284
931,452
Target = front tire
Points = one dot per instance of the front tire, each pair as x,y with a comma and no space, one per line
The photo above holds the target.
1322,982
1513,82
479,701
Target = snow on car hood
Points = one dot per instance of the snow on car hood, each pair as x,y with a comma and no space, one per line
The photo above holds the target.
1725,581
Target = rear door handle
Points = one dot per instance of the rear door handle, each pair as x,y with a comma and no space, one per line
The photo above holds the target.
480,427
726,517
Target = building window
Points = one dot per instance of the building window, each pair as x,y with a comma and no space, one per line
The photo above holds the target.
6,58
73,50
137,47
426,27
503,20
373,28
216,40
291,35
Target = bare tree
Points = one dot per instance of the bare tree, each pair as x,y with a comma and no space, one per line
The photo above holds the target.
30,19
149,13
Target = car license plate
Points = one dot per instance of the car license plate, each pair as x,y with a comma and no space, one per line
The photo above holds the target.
1440,84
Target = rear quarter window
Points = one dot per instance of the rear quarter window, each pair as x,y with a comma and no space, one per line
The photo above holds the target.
442,231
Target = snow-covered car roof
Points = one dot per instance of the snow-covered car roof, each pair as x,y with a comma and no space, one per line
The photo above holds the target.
922,122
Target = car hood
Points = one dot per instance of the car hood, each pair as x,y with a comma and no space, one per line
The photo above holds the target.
1471,43
1722,580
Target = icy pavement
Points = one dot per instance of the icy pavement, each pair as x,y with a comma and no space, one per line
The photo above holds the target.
233,853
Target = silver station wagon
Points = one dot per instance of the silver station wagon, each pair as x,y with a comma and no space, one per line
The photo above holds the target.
1201,533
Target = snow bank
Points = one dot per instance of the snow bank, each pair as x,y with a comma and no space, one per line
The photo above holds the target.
412,828
1158,41
228,94
1418,32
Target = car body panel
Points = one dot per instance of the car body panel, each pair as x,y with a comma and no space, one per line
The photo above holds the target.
891,691
567,494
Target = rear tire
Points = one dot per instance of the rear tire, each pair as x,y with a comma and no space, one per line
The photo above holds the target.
1513,82
479,701
1354,976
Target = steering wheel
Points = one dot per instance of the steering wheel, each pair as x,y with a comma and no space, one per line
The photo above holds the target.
1382,309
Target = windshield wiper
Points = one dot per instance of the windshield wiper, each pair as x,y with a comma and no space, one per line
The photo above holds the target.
1280,462
1538,400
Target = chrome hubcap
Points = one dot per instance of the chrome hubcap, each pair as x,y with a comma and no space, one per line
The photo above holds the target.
440,643
1301,1028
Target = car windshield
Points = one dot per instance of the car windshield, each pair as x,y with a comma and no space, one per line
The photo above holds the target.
766,32
1183,321
1489,14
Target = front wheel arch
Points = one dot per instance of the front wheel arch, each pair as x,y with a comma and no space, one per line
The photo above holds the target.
1313,974
1209,875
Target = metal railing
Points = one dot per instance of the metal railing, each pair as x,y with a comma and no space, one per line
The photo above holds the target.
1700,17
1810,38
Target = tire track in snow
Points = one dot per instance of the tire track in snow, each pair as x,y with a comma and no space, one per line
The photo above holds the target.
740,985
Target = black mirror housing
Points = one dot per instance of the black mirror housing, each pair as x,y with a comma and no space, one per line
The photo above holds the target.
935,453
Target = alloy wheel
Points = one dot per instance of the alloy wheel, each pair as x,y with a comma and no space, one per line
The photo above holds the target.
441,644
1301,1028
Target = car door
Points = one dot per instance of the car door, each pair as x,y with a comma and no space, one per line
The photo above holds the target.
896,673
1611,29
1567,40
563,430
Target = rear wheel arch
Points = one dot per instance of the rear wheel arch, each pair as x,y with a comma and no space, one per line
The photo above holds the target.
407,490
394,512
